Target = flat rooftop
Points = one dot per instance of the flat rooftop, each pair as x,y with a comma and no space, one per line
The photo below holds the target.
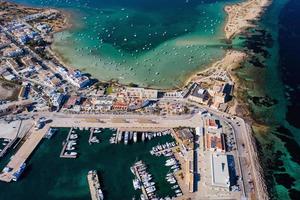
220,171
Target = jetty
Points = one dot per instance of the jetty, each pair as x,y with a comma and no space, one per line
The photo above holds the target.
62,153
22,155
94,185
91,135
92,138
140,179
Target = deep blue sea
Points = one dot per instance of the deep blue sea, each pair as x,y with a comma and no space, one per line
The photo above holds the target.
273,81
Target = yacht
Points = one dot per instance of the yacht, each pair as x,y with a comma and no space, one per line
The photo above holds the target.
175,187
150,189
73,153
136,184
100,194
126,138
95,139
135,136
73,136
143,137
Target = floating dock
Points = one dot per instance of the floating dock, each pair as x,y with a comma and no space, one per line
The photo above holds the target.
62,153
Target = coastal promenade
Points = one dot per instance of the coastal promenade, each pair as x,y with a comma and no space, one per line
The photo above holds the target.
23,153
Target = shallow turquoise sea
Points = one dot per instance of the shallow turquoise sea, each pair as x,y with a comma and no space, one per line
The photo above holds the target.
151,43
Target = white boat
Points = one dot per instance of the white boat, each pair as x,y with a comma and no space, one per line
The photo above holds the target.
126,138
179,194
177,191
150,189
142,197
73,136
100,194
175,170
174,187
136,184
70,148
112,140
149,184
120,137
95,140
97,130
170,163
175,167
130,135
135,136
73,153
143,137
132,170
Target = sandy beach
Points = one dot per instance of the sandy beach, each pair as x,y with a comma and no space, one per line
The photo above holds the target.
230,61
242,15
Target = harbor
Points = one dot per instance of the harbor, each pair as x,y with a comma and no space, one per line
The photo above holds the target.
16,165
70,172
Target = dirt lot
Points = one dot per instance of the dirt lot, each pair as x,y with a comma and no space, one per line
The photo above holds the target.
9,91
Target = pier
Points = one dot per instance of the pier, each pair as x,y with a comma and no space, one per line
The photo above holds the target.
62,153
140,179
94,185
22,154
91,135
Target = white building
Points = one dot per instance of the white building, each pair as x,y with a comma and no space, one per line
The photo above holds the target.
198,94
142,93
220,170
57,99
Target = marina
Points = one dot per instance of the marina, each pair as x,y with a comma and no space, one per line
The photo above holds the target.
17,164
143,181
47,157
135,136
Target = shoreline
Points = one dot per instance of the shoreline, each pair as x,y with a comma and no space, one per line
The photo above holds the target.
242,15
238,19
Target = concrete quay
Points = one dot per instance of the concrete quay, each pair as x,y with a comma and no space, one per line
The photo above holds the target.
125,121
23,153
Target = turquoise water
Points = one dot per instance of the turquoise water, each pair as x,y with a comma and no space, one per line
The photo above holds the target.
272,42
145,42
50,177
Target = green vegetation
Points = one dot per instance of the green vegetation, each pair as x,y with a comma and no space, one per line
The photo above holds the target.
109,90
